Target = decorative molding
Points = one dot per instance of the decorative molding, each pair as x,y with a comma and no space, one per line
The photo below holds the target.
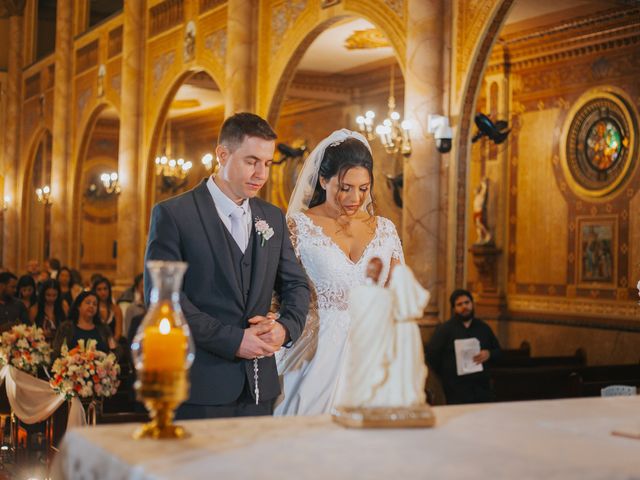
161,65
467,41
472,19
116,83
397,6
83,100
366,39
283,17
567,306
216,43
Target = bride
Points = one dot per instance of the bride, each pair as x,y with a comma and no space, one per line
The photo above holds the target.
334,234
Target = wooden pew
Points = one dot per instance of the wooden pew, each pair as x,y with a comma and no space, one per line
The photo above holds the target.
579,358
589,381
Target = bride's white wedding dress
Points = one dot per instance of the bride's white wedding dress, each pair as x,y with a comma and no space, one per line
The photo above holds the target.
310,369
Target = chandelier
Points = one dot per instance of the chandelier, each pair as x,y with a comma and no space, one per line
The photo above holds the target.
173,172
43,195
394,132
110,182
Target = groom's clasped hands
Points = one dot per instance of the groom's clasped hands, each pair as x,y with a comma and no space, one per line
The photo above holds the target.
263,338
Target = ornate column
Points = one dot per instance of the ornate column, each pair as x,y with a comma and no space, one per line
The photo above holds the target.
61,184
423,96
130,166
239,78
11,227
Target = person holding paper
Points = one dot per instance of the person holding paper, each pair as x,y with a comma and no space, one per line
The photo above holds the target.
459,350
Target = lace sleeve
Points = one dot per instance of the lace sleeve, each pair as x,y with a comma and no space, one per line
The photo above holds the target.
396,253
293,234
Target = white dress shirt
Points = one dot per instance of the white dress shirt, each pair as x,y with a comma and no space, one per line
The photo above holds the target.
225,206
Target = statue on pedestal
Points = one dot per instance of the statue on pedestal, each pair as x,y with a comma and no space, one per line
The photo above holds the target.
383,378
480,213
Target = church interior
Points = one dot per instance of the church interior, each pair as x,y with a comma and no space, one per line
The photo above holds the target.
504,135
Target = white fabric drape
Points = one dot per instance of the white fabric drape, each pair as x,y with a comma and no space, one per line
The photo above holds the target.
32,399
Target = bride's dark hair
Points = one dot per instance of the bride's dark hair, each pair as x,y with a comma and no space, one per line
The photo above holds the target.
338,160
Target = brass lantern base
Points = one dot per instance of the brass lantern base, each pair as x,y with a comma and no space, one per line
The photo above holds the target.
419,416
161,393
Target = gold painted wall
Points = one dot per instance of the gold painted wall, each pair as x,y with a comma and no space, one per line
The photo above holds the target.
548,77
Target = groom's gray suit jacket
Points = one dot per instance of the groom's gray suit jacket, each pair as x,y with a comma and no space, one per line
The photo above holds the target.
217,307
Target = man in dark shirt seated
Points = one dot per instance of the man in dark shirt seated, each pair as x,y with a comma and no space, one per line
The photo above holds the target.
441,356
12,310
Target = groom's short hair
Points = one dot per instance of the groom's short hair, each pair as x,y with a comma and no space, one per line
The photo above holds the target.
241,125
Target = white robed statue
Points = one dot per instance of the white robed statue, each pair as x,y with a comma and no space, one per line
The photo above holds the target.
384,375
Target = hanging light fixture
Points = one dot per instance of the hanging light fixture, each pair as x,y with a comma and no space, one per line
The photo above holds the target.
394,132
173,172
110,182
43,195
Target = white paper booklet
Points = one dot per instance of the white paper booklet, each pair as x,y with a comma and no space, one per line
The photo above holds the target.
466,349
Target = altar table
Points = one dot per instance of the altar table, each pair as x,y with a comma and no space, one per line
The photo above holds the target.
554,439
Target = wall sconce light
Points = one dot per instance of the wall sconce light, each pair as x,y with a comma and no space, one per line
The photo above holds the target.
44,195
111,183
6,203
438,125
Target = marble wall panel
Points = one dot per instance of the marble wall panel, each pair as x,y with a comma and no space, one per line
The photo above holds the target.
541,232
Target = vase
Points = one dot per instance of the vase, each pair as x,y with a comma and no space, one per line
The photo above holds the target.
163,352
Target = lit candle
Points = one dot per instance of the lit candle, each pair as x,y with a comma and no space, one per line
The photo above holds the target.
164,347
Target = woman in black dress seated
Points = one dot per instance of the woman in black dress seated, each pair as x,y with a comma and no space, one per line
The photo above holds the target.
84,324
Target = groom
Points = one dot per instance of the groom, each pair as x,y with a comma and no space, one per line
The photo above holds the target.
238,250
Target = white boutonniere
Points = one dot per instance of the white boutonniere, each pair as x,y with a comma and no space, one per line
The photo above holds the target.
264,230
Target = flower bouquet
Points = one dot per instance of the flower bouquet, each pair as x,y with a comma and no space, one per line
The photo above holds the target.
85,372
25,348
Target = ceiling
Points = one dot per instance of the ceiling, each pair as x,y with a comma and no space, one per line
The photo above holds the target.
327,53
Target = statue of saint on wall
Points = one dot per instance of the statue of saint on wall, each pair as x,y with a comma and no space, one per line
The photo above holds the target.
189,51
480,198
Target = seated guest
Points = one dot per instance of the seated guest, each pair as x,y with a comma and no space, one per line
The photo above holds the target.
27,291
51,310
84,324
441,355
12,310
110,313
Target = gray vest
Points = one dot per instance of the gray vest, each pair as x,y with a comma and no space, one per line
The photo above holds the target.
242,263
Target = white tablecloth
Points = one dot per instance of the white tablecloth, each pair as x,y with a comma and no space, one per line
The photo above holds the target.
558,439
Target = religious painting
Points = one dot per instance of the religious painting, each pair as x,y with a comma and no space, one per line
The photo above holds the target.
600,145
597,250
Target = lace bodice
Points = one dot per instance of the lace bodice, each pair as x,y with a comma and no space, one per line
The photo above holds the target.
331,272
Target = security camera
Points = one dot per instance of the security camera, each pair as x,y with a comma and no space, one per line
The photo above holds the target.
438,125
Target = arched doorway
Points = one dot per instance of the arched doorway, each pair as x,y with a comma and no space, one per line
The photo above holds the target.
185,136
338,74
37,202
98,196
